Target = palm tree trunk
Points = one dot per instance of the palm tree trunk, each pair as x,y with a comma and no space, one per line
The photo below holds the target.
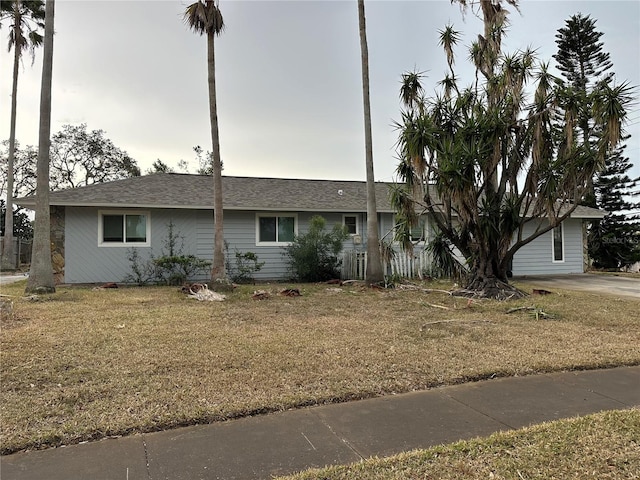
7,252
374,273
217,270
41,274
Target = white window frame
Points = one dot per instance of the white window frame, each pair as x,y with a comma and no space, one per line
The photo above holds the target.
553,243
276,216
344,216
124,243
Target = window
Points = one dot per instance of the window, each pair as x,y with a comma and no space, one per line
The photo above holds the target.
418,231
351,224
558,244
276,229
119,228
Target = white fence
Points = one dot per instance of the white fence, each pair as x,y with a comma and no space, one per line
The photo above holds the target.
354,265
403,264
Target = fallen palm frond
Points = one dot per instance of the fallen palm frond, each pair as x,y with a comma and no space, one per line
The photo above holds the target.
434,305
457,320
410,286
535,311
204,294
260,295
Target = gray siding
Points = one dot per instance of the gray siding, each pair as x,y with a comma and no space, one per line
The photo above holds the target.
536,258
86,262
240,234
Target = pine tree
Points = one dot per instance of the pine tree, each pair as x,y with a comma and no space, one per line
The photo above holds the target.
614,241
583,62
580,56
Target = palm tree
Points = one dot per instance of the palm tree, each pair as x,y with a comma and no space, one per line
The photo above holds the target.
41,274
27,20
374,273
204,17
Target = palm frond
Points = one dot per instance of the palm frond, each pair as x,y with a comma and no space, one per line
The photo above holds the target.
411,90
448,39
204,17
444,261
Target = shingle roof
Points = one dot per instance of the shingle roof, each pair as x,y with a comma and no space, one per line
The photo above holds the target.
175,190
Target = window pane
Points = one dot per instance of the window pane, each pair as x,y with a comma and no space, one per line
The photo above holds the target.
557,243
285,229
350,223
112,228
136,228
417,231
267,226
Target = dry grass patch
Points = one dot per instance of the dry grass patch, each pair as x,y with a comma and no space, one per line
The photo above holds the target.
599,446
84,364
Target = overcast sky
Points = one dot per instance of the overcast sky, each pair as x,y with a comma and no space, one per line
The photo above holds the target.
288,76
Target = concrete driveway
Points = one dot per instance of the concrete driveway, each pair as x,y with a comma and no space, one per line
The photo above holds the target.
609,284
4,279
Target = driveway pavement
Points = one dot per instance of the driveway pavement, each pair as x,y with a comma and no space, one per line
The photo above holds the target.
609,284
4,279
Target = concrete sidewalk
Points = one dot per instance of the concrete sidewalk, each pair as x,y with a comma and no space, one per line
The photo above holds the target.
277,444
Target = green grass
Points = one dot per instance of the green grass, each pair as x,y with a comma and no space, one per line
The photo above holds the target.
600,446
85,364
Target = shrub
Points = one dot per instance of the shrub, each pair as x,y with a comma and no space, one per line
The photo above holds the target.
142,272
313,257
177,269
246,265
172,267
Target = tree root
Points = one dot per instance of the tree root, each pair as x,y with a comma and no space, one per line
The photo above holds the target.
490,288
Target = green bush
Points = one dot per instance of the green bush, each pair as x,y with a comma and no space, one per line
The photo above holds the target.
246,265
142,272
313,257
171,268
177,269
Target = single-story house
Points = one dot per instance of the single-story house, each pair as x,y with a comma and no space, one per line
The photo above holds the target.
95,227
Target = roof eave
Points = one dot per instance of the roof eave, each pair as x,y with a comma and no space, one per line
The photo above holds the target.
31,205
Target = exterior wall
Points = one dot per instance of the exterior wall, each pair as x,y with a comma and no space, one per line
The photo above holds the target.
240,234
536,258
87,262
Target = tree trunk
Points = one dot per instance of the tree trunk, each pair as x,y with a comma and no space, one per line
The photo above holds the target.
218,274
374,273
489,278
7,252
41,274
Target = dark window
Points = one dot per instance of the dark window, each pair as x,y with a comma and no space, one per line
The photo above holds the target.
276,229
558,247
350,222
124,228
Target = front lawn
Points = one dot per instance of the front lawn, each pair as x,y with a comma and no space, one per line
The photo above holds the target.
83,364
